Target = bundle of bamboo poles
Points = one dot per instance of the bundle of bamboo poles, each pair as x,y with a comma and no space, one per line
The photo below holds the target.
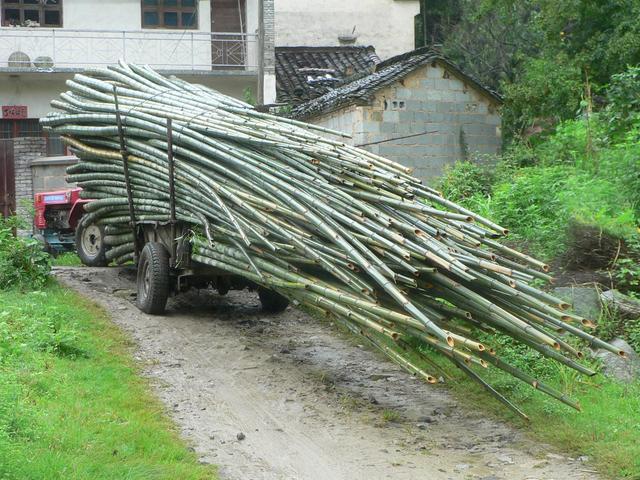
340,230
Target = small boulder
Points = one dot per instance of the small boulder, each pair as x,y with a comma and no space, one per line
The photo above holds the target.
614,366
585,300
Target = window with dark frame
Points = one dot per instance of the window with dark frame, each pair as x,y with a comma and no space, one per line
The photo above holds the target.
178,14
40,13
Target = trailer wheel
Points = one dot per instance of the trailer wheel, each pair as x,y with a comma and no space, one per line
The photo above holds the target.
153,279
271,301
90,245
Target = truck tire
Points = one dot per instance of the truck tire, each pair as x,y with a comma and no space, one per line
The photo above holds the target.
153,279
90,245
271,301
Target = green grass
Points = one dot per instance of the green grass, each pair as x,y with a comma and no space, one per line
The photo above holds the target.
66,259
607,429
72,402
390,416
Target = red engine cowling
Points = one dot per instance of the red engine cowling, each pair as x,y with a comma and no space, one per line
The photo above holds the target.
67,200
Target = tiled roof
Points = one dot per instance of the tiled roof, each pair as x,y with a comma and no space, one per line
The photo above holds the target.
303,73
387,72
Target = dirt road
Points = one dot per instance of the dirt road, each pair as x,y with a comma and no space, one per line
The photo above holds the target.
289,397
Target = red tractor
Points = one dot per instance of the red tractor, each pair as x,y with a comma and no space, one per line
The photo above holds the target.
58,227
164,264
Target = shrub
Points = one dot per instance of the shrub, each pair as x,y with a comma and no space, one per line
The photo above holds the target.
621,163
623,94
632,331
626,270
543,92
22,261
464,180
531,207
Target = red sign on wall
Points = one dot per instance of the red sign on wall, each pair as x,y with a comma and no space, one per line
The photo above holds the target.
14,112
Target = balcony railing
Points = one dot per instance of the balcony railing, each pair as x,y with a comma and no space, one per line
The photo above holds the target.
48,49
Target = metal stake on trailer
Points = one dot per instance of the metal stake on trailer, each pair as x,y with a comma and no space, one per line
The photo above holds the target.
125,167
172,192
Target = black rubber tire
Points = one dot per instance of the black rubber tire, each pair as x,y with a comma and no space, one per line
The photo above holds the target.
90,245
153,281
271,301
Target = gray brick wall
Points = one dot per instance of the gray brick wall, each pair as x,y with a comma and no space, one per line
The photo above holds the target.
269,36
25,150
463,119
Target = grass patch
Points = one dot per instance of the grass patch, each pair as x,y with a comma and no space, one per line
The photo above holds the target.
72,403
390,416
607,429
66,259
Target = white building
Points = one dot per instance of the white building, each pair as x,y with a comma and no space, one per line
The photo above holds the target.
225,44
387,25
219,43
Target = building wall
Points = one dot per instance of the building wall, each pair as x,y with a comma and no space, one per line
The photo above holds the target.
269,59
346,120
117,15
92,32
462,122
36,90
385,24
25,150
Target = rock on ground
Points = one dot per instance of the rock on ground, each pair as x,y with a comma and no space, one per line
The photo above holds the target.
615,366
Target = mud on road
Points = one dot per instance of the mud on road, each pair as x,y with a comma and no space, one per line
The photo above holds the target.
290,397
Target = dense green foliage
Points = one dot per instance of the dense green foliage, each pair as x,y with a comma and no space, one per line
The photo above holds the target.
623,109
23,264
575,176
549,58
71,402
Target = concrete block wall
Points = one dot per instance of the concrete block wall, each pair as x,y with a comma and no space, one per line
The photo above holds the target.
268,16
347,120
25,150
269,53
461,119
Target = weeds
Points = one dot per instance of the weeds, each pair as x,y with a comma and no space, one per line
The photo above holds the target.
22,262
72,404
67,259
390,416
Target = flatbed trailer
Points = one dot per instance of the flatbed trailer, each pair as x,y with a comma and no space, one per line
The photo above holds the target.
163,252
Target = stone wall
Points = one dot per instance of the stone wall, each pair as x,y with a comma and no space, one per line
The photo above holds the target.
463,121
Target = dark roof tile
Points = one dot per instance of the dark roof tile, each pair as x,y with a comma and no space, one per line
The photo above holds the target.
387,72
303,73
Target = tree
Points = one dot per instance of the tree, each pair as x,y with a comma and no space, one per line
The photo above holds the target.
539,53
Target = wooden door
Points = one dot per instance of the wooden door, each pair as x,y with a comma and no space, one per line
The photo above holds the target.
7,178
228,51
